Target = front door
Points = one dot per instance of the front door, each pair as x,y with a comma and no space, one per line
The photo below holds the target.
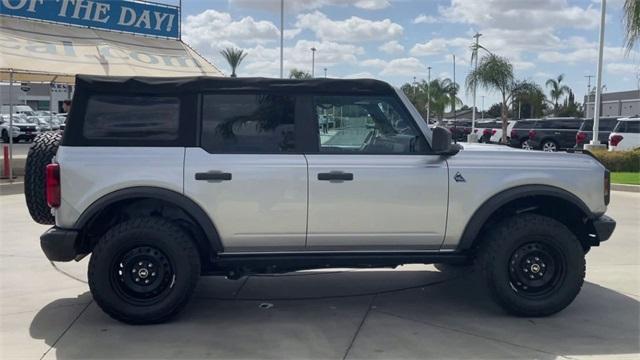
372,183
247,174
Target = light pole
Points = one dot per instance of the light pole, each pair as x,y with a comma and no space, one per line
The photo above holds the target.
313,62
428,93
281,39
472,136
325,73
595,143
482,107
415,86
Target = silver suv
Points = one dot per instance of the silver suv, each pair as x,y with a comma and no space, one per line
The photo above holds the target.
162,180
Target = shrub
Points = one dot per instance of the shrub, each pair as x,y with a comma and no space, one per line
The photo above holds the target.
620,160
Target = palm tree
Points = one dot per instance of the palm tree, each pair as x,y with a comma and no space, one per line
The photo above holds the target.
557,90
495,73
299,74
632,23
234,57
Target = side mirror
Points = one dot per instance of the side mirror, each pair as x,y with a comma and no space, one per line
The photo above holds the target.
442,143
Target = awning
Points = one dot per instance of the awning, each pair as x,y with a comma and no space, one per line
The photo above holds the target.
44,52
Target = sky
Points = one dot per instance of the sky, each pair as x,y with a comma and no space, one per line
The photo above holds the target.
395,40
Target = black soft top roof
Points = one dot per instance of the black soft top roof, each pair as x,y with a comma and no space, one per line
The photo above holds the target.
160,85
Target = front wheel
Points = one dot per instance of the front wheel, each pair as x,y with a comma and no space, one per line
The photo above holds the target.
533,265
525,145
144,270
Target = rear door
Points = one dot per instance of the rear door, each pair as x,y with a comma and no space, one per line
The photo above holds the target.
372,183
248,173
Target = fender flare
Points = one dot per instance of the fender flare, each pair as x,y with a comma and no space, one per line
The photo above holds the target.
173,197
482,214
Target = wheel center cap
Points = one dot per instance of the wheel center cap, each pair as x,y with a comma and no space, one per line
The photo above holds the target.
143,273
535,268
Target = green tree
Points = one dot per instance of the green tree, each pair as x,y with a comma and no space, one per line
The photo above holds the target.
631,23
494,111
234,57
557,90
437,96
495,73
299,74
532,99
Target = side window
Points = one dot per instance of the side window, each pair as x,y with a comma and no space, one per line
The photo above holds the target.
116,117
248,123
633,127
620,127
366,125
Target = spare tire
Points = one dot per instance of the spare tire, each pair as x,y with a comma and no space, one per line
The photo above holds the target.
40,154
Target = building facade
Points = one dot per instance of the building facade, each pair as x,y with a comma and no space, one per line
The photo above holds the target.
620,104
38,96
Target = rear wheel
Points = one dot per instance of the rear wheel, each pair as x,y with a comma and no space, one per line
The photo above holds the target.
533,265
549,146
144,271
525,145
40,154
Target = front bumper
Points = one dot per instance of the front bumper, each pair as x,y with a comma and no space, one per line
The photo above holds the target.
604,227
59,244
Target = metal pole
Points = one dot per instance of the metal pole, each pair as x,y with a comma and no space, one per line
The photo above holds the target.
428,94
415,86
180,20
281,39
313,62
325,73
596,116
482,107
51,103
473,113
11,126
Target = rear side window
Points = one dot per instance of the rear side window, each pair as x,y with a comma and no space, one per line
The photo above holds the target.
248,123
628,127
113,117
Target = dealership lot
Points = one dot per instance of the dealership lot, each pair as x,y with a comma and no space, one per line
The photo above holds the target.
412,312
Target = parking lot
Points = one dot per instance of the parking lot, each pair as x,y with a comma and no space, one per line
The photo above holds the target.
412,312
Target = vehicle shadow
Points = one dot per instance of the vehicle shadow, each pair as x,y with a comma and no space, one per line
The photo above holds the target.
361,314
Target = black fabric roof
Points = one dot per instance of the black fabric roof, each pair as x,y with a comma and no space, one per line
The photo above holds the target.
122,84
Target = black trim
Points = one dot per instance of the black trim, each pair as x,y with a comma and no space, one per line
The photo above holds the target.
604,227
482,214
301,260
179,200
59,244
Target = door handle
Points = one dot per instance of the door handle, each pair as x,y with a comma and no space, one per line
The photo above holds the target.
213,176
335,176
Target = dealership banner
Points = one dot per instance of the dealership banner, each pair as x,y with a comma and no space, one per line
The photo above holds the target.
133,16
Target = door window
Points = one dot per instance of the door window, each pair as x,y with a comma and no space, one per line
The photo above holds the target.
366,125
248,123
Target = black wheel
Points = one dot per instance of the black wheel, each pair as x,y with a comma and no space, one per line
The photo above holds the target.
40,154
533,265
5,136
549,146
144,271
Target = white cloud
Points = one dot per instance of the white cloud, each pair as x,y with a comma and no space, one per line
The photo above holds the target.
438,46
353,29
391,47
509,14
425,19
212,29
296,6
360,75
374,63
372,4
404,67
624,69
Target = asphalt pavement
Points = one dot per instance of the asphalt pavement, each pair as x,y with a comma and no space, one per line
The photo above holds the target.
413,312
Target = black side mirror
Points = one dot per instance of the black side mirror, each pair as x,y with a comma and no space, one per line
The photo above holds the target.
440,140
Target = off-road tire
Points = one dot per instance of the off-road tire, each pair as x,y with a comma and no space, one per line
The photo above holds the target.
40,154
161,234
495,257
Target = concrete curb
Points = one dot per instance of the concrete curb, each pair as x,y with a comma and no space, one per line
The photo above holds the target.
624,187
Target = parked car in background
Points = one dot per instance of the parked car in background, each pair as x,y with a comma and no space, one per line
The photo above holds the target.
553,134
585,133
519,134
22,129
459,129
496,137
625,135
485,129
62,121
